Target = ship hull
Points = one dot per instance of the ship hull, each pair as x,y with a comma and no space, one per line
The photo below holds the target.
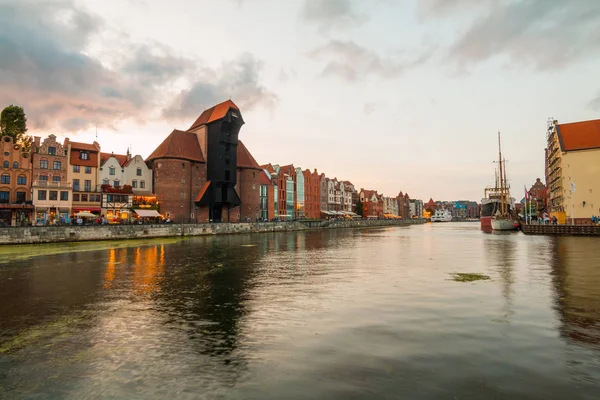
486,222
502,224
489,207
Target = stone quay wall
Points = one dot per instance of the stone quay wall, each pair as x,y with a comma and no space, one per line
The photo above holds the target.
55,234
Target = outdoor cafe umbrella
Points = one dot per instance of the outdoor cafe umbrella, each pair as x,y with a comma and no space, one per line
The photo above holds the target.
86,214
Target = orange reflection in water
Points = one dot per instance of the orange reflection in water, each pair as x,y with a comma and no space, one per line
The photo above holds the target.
109,275
148,268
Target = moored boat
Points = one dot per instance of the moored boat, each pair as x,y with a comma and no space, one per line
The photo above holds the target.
502,219
441,216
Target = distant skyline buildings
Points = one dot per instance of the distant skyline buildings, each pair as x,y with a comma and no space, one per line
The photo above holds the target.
408,88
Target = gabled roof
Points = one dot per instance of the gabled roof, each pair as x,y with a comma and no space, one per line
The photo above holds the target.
83,146
269,168
288,169
264,179
179,144
121,158
214,113
579,135
244,158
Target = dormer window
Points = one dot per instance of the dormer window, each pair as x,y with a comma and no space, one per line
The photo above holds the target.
111,170
84,155
52,151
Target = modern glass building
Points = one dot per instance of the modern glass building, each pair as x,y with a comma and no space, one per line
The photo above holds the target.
299,194
289,197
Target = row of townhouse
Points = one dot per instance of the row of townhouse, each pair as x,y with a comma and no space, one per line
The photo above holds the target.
289,192
53,181
459,209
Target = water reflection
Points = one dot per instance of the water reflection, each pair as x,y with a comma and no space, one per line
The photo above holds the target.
329,314
576,277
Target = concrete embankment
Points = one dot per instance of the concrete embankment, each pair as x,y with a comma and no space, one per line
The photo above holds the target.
52,234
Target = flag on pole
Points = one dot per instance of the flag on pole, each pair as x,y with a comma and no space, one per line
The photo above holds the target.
526,193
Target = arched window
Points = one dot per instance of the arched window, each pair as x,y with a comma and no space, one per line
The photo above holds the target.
5,178
15,164
21,180
5,164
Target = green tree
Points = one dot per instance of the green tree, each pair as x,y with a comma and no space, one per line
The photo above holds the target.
13,123
359,208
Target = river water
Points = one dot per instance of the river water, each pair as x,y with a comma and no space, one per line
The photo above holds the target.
331,314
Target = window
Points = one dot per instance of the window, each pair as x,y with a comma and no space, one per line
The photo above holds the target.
53,195
21,197
105,182
84,155
88,185
64,196
75,184
134,184
4,197
116,184
182,165
56,165
56,179
6,153
44,164
138,172
75,168
84,197
15,165
52,151
5,164
227,160
182,195
142,184
21,180
227,175
88,170
75,196
41,195
5,178
43,179
111,171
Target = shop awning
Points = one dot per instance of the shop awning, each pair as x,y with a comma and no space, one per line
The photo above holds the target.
147,213
326,212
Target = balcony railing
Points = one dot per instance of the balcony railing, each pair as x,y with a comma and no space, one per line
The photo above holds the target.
55,185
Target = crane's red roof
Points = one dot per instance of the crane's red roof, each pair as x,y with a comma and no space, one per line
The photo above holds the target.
214,113
179,144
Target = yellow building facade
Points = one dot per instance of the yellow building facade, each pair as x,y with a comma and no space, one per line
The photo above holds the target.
573,171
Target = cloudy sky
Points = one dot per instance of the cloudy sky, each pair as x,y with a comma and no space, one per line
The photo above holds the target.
390,94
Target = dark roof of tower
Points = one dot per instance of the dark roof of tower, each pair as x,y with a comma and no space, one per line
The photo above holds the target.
214,113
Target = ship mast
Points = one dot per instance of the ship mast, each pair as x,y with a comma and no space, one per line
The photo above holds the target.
501,175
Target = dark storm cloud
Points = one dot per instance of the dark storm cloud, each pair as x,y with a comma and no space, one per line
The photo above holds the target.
351,62
545,34
44,68
238,79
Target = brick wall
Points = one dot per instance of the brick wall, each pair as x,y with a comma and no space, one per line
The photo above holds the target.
176,184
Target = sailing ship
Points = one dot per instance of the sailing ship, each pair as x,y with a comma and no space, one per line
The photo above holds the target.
502,219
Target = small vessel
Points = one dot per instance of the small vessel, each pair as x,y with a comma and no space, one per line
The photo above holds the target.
441,216
502,220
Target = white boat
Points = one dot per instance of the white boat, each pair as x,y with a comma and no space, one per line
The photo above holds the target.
441,216
502,219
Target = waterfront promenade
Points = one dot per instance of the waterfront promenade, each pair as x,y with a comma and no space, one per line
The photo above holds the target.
56,234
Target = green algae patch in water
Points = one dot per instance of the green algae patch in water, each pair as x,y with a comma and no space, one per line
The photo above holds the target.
468,277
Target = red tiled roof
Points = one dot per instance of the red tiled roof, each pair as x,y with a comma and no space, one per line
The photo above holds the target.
121,158
214,113
83,146
579,135
179,144
430,202
264,179
269,168
244,158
